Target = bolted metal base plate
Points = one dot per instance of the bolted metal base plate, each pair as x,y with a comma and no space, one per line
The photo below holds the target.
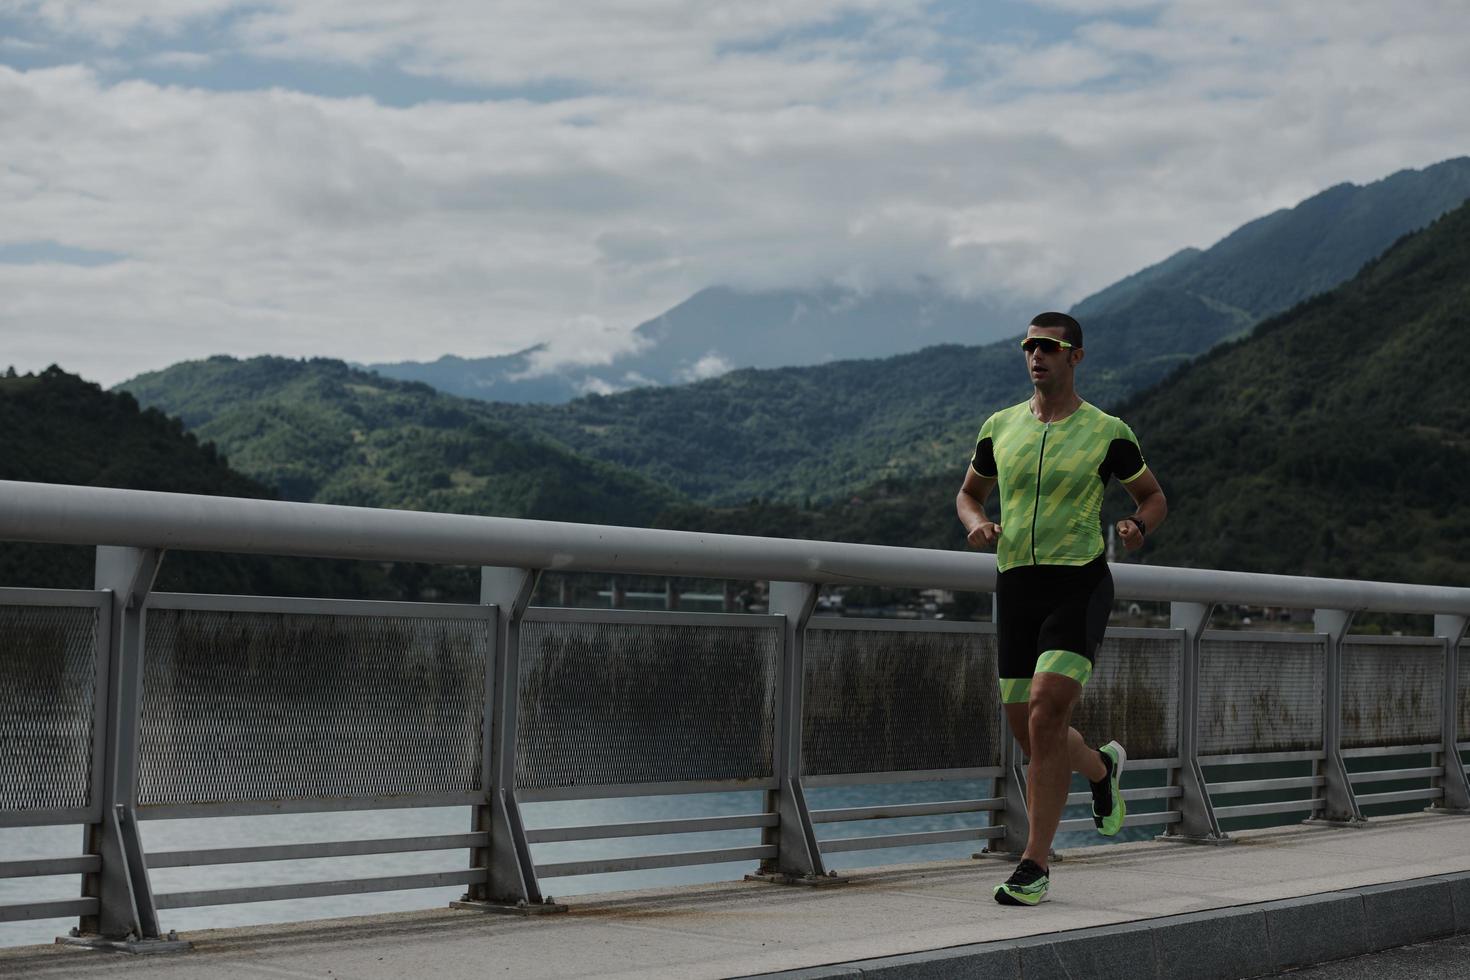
1187,839
1053,857
129,945
1445,811
547,907
811,881
1324,822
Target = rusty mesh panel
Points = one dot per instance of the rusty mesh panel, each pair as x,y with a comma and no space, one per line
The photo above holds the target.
608,704
889,701
251,706
1391,694
1261,697
48,668
1133,696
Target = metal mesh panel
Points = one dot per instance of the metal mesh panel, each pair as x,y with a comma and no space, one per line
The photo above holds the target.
1391,694
251,706
1133,696
889,701
1462,731
607,704
1257,696
48,662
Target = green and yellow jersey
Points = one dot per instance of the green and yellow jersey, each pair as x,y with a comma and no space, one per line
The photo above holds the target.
1051,477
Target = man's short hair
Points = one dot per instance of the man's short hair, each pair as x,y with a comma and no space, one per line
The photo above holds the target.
1072,330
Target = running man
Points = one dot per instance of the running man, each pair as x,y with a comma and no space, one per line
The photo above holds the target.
1052,456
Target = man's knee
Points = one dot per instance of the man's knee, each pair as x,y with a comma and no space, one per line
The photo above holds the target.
1052,698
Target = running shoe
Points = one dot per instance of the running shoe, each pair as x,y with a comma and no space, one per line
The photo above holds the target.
1027,885
1108,808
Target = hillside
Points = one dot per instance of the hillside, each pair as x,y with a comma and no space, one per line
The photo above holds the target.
823,432
1148,324
800,434
57,428
318,430
1331,441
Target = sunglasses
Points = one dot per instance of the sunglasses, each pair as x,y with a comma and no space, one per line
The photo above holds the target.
1047,345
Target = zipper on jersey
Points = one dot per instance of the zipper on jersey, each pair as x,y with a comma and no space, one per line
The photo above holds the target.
1036,508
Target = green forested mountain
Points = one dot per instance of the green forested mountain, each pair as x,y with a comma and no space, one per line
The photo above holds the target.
57,428
819,433
808,436
1151,322
319,430
1331,441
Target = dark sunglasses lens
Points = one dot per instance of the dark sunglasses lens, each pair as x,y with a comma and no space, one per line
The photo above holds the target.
1047,346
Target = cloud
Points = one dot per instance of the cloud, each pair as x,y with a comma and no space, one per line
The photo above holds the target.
711,365
759,145
187,60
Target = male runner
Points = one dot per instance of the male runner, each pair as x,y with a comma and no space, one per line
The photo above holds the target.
1052,456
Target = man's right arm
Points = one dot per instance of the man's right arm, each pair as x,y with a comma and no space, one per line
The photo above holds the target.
980,530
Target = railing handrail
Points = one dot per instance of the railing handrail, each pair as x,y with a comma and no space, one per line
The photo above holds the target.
66,514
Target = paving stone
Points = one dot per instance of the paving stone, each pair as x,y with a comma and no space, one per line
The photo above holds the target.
1316,929
1407,912
1222,945
1124,952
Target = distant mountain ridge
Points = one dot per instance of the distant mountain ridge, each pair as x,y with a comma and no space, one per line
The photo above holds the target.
1144,325
1330,441
1149,323
799,434
720,329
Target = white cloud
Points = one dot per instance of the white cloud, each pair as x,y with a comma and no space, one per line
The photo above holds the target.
739,144
711,365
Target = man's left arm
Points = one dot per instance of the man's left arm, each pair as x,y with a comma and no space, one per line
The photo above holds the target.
1150,508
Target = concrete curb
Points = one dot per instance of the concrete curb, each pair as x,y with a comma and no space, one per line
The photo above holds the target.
1220,944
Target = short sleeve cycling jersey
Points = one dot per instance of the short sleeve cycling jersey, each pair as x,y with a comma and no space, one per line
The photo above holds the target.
1051,477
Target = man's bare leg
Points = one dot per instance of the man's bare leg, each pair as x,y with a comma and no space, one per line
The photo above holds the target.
1084,758
1056,750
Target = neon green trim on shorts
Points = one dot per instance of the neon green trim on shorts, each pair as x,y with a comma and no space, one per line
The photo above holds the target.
1066,663
1015,690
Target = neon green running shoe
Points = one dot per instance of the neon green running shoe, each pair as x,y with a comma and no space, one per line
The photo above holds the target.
1027,885
1108,808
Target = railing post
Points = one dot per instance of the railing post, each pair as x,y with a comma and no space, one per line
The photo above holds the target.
511,884
1197,823
127,918
799,858
1340,803
1456,797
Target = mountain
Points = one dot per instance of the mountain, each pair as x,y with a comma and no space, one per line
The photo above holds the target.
1149,323
824,432
57,428
720,329
1330,441
319,430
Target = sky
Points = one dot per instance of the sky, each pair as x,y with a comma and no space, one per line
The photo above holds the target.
382,180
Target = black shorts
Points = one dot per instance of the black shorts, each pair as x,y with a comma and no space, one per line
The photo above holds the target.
1050,618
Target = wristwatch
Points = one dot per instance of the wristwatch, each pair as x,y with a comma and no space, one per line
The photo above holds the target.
1142,527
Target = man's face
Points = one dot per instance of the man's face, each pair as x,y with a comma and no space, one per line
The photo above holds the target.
1049,370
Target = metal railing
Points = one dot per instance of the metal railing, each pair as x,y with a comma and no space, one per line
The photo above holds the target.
122,705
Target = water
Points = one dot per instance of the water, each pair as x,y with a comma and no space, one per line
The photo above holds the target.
168,835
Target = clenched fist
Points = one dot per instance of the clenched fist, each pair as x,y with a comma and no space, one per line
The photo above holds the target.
984,534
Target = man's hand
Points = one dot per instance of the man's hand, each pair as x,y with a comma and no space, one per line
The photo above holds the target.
1130,534
984,534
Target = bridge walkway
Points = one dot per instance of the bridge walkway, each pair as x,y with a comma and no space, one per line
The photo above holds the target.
1275,897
